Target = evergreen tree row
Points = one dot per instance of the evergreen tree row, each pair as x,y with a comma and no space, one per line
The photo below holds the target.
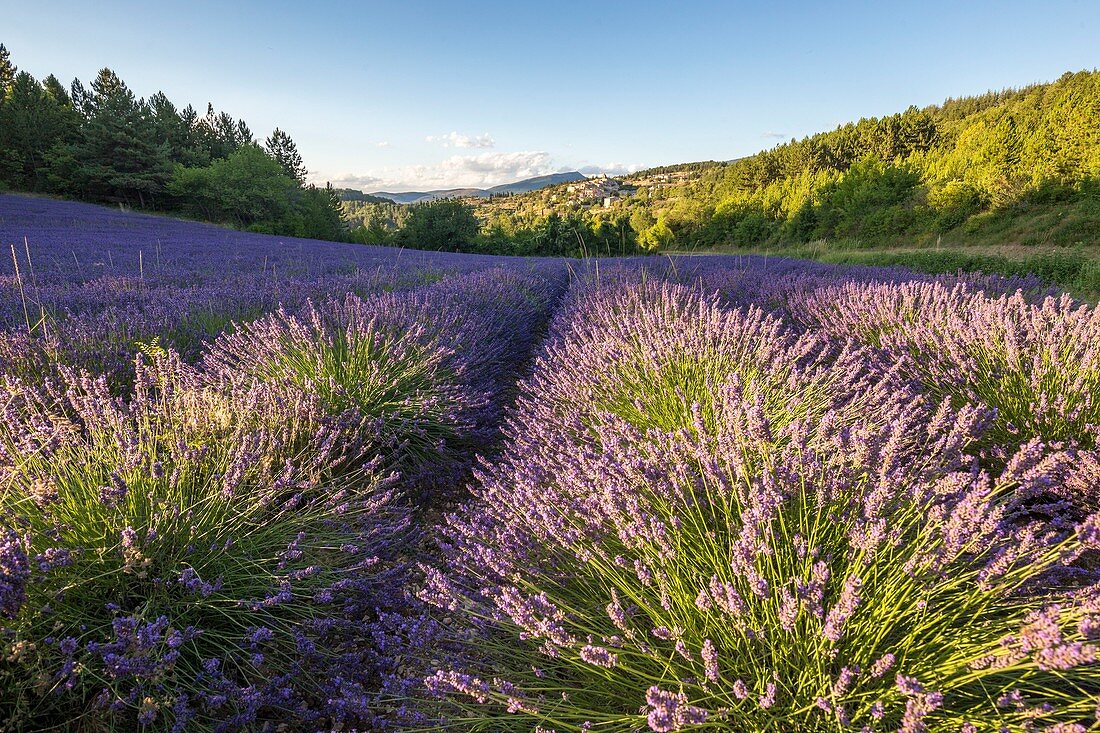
103,144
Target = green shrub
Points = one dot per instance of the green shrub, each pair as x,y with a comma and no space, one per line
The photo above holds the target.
953,204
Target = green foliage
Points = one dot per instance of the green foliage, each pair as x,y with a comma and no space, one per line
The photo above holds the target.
103,144
921,172
445,225
656,237
572,235
372,220
247,187
870,198
318,215
33,119
280,147
178,131
250,189
953,204
7,72
118,158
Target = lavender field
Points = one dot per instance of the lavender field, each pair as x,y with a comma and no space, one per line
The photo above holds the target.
261,483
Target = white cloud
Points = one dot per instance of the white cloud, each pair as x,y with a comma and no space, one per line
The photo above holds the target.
611,169
458,140
382,144
774,135
458,171
481,170
348,180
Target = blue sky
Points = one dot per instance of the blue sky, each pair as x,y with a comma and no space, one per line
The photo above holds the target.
404,95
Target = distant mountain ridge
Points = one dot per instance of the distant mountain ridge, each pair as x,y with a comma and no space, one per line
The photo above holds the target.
534,184
416,197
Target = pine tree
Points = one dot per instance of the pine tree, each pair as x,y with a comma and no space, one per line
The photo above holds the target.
117,154
57,91
197,153
32,120
244,134
80,96
225,135
283,149
170,128
7,73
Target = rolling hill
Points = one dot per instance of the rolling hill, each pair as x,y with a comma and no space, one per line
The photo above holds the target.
415,197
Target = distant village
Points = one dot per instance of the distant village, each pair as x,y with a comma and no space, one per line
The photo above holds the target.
601,188
600,191
606,190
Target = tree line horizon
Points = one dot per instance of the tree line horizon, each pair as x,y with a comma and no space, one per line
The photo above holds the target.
1015,166
968,170
101,143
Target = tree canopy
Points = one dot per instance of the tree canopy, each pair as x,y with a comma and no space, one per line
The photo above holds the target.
102,143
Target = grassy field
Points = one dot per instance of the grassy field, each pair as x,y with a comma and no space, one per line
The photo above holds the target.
1058,241
1077,270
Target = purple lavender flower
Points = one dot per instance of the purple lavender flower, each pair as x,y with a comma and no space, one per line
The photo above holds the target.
882,665
710,660
671,711
845,606
908,685
114,493
767,700
442,682
598,656
15,571
52,558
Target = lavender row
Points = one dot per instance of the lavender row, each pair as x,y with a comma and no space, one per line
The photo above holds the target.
431,366
100,325
709,518
225,548
1028,353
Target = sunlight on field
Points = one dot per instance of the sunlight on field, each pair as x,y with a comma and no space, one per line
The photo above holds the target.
401,489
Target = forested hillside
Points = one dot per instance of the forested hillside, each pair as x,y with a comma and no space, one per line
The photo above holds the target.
1014,167
1011,167
103,144
923,172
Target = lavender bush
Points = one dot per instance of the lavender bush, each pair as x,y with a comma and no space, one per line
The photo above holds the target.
674,347
189,559
777,556
100,325
425,367
1037,364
